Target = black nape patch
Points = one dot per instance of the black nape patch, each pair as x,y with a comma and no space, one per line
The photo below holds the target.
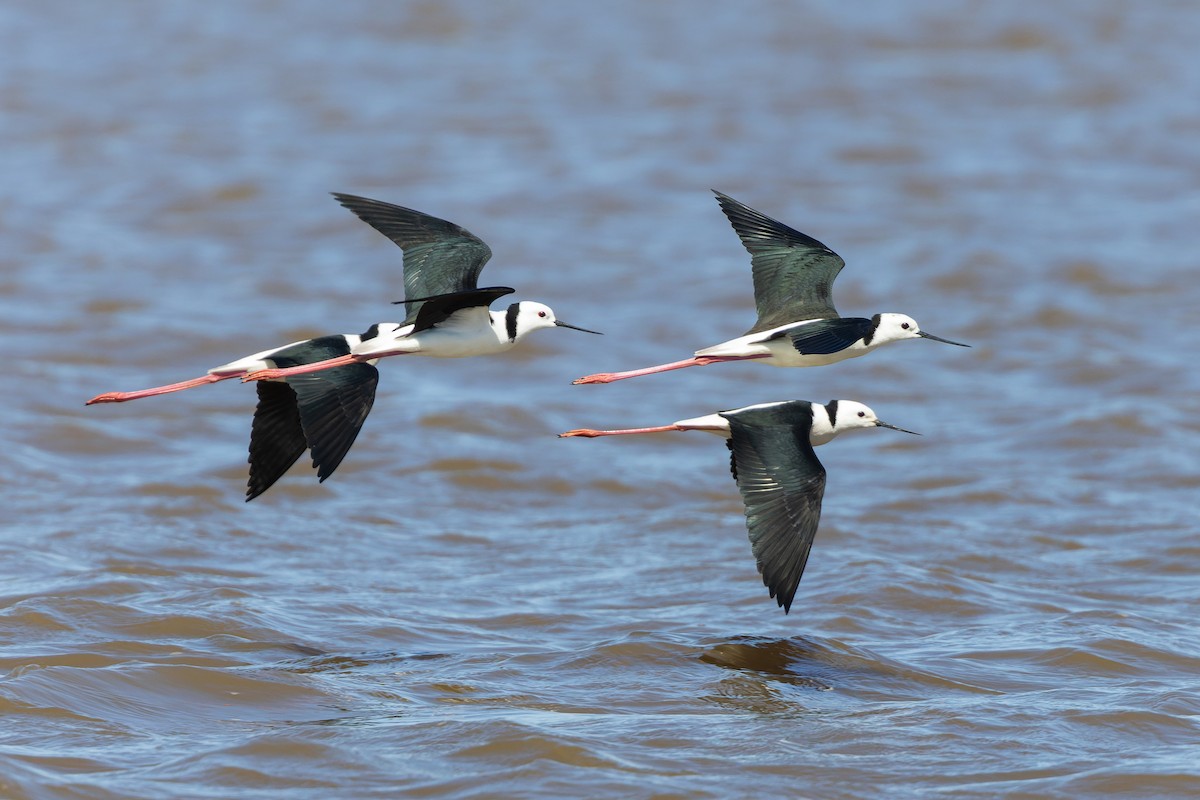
831,409
510,321
371,333
875,320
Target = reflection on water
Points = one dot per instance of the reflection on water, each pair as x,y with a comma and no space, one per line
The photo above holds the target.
470,607
818,665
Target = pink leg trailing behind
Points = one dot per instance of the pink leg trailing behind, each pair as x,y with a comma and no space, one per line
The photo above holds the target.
121,397
696,361
591,433
284,372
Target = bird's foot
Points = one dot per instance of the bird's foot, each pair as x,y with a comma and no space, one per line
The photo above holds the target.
264,375
599,377
107,397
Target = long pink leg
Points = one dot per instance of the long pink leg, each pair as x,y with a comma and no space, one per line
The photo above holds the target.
121,397
591,433
283,372
696,361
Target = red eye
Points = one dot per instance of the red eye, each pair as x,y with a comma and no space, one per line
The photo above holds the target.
862,413
543,313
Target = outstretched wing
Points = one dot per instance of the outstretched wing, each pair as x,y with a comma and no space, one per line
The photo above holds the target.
793,272
276,437
333,405
439,256
782,484
329,406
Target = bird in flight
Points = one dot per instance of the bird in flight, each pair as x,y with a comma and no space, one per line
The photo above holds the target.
797,324
781,481
315,394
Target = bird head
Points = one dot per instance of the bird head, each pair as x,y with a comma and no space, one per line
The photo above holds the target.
528,315
894,327
848,415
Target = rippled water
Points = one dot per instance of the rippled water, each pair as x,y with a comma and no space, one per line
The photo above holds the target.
1003,607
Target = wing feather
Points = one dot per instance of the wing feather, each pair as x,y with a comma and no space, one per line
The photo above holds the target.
793,272
276,437
333,405
439,256
826,336
782,484
319,411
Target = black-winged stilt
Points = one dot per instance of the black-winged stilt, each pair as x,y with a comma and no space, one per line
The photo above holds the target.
321,412
797,324
778,474
447,317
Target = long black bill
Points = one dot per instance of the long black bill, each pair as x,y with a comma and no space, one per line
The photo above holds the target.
562,324
881,424
925,335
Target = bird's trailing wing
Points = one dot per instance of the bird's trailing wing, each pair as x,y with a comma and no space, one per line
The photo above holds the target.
321,411
439,256
793,272
333,405
781,482
276,436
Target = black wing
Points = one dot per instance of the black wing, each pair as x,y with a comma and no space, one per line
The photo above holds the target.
793,272
276,437
827,336
439,308
782,483
333,405
328,407
439,256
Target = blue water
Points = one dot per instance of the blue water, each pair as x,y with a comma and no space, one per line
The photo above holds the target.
471,607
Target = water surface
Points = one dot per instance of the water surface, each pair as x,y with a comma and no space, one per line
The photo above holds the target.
1004,606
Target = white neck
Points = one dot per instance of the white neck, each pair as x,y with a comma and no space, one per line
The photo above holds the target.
822,431
500,328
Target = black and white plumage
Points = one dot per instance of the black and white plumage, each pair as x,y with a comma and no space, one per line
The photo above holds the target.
797,324
321,412
781,481
323,388
447,315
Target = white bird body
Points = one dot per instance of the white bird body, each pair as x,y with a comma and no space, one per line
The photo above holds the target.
475,331
777,346
773,347
828,421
